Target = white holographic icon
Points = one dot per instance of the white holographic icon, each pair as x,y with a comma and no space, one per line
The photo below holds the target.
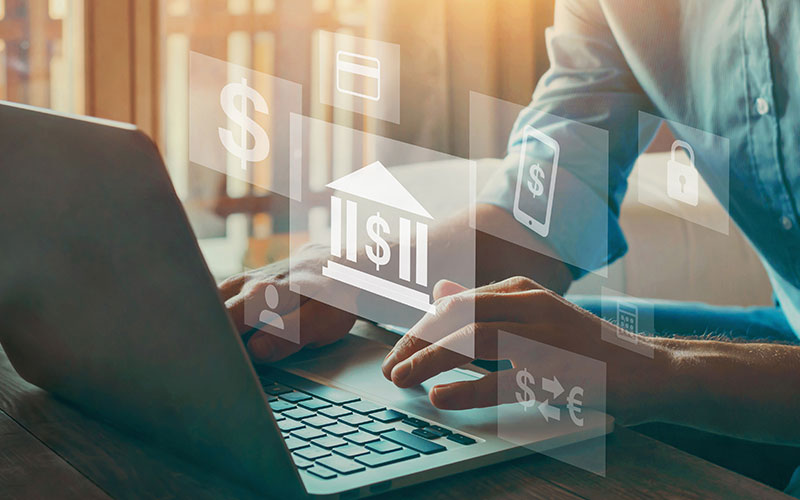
376,184
358,75
247,125
683,181
269,316
538,166
627,321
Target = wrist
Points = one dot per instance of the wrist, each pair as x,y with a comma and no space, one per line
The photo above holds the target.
668,381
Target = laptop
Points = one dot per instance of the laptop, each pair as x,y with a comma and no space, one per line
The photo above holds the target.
106,301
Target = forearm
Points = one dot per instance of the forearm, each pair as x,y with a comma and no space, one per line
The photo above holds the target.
495,258
746,390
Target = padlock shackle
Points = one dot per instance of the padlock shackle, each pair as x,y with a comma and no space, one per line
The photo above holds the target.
685,145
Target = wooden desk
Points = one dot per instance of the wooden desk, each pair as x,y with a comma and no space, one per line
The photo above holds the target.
48,449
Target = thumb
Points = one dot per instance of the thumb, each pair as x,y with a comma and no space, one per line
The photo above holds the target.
444,288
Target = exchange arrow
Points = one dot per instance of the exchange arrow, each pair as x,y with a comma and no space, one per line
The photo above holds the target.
552,386
549,411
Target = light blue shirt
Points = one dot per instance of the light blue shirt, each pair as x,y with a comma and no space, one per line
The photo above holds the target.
727,67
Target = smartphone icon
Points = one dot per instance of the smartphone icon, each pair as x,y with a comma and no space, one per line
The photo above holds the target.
536,180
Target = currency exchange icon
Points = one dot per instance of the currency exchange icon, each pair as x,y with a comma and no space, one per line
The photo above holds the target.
527,399
538,166
227,100
374,183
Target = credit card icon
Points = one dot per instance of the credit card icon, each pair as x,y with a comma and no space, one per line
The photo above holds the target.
358,75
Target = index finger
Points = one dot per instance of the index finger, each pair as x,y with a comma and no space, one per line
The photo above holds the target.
485,304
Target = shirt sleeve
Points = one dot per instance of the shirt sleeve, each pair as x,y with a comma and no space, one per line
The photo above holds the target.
589,83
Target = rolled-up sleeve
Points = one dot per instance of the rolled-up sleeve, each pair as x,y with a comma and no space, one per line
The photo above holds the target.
589,86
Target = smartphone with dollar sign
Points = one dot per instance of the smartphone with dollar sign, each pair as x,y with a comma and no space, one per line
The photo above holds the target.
536,180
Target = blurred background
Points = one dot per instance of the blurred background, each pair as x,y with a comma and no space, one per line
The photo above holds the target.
127,60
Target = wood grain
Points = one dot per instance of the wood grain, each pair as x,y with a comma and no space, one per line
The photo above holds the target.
28,469
125,467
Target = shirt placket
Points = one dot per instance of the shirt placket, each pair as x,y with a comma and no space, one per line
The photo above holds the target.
764,127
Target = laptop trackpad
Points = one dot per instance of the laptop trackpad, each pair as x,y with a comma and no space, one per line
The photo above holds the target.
354,364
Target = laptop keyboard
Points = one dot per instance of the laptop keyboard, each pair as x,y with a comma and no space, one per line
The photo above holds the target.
331,432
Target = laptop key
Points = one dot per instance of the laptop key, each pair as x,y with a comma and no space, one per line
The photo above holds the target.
295,397
298,413
388,416
329,394
425,433
441,431
275,389
289,425
376,428
322,472
279,406
329,442
301,462
413,442
355,419
340,429
319,421
292,443
340,465
381,459
364,407
312,453
383,446
308,433
314,404
335,412
350,451
415,422
458,438
361,438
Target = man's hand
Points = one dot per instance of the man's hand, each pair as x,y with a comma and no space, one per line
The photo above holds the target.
318,324
521,307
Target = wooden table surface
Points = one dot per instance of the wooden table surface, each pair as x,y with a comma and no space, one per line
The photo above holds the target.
49,449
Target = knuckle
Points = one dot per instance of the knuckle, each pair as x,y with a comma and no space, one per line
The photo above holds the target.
542,295
485,338
448,305
422,358
408,343
521,283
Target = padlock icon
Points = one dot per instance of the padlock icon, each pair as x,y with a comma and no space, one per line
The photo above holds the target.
683,181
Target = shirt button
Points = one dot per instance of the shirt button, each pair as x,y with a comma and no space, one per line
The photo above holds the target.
762,106
786,222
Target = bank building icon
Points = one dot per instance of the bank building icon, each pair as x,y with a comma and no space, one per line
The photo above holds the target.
376,185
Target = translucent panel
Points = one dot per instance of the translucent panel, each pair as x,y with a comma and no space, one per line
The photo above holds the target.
233,215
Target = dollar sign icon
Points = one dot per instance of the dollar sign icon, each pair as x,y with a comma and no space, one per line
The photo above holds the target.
380,256
537,176
227,99
524,381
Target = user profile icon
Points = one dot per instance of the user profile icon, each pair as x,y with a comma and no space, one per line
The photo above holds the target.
269,316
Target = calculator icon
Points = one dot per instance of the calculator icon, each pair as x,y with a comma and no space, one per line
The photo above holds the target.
627,321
